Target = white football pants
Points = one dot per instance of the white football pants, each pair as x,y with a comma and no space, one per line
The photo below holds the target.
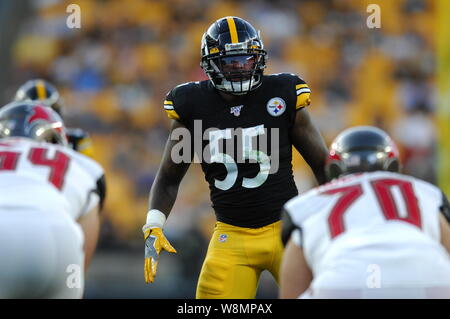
40,256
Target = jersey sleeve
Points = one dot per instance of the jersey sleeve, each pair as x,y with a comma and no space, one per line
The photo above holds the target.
169,107
302,93
176,104
288,226
296,237
289,230
296,211
445,207
96,196
93,185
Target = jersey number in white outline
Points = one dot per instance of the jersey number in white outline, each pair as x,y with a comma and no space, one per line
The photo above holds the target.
248,153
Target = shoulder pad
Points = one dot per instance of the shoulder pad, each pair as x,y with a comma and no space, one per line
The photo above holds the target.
93,168
303,93
297,85
176,98
306,205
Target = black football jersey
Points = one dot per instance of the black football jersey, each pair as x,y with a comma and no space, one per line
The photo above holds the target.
246,151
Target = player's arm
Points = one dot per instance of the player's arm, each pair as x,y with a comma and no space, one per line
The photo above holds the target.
168,178
444,223
90,224
295,274
308,141
162,198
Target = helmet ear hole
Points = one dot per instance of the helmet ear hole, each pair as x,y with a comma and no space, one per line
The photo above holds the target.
392,165
49,135
333,170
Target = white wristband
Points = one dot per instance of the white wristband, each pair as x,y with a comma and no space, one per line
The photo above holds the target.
155,218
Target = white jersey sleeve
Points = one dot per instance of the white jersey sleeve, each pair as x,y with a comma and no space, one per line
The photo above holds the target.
85,174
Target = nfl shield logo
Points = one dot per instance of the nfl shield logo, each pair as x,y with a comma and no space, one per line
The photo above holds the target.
223,238
236,110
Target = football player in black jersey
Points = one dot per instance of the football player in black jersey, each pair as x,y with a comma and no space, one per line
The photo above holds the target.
44,92
247,195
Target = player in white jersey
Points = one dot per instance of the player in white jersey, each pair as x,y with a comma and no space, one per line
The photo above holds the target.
370,233
50,197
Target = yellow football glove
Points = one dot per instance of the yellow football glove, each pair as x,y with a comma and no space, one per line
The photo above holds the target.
155,241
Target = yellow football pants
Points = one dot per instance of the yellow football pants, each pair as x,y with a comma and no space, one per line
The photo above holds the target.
235,259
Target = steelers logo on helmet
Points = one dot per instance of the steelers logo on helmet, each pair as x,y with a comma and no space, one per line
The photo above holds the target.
276,106
42,91
233,56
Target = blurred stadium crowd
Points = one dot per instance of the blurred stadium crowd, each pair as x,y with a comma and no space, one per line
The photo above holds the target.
114,72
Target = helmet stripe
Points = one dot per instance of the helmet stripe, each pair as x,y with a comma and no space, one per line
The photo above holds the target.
233,32
41,91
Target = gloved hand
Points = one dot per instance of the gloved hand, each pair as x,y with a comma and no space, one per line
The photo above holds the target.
155,241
